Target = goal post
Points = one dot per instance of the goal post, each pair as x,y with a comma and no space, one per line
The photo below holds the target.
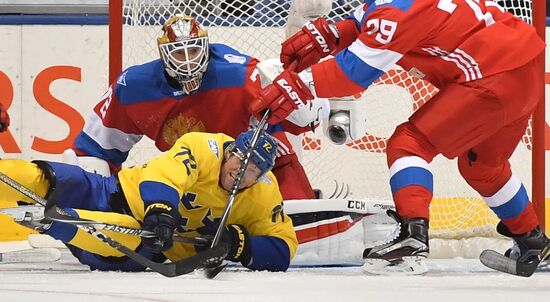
539,126
257,27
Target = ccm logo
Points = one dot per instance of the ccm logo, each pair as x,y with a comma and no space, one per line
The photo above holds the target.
355,204
320,39
291,93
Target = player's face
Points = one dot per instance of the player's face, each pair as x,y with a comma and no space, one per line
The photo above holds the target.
188,58
230,171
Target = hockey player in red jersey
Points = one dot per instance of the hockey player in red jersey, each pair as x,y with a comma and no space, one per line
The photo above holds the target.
194,86
484,61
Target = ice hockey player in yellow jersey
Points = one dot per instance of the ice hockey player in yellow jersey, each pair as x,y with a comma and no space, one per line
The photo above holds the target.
183,191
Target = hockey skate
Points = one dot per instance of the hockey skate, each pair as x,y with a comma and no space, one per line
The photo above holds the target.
530,250
405,254
31,216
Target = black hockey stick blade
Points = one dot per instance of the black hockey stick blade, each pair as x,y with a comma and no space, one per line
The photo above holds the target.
495,260
200,260
213,271
173,269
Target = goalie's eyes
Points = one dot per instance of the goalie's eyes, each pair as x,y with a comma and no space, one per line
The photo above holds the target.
182,55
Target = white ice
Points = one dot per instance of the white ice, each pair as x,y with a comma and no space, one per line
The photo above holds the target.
448,280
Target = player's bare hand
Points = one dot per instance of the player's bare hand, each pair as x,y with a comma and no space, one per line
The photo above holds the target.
316,40
286,94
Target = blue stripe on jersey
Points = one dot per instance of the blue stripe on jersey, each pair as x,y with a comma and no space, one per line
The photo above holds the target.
403,5
357,22
269,253
92,148
514,207
412,176
227,68
143,83
147,82
62,231
153,191
356,70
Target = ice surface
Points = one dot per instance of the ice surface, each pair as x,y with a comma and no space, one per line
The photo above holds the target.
448,280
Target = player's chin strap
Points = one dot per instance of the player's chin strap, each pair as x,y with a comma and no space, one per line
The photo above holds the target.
204,259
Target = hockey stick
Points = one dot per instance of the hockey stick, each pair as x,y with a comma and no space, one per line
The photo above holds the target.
97,225
214,271
173,269
130,231
495,260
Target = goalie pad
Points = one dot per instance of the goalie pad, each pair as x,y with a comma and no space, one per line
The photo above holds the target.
336,231
88,163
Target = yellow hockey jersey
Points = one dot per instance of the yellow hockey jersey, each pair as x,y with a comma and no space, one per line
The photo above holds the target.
187,176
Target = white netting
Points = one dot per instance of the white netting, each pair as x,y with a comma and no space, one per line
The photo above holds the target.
257,27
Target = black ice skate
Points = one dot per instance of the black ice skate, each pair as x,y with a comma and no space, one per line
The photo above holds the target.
529,250
403,255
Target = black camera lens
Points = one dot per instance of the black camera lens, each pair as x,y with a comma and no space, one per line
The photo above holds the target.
337,134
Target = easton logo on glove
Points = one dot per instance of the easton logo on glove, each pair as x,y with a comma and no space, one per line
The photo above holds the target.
318,37
241,236
291,93
158,206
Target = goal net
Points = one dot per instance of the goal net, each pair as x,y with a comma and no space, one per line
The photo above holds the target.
257,27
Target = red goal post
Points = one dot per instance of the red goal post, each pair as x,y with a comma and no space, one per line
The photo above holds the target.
531,11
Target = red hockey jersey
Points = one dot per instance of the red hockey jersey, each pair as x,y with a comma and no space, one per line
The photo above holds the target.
441,41
143,101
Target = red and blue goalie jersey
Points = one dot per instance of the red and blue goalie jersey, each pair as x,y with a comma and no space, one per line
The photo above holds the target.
441,41
144,101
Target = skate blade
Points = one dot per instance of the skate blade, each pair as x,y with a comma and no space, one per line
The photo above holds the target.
31,255
24,213
411,265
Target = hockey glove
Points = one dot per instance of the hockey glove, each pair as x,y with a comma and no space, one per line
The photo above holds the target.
4,119
286,94
159,219
316,40
235,236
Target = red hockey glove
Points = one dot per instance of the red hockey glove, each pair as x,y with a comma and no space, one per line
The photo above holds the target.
316,40
4,119
284,95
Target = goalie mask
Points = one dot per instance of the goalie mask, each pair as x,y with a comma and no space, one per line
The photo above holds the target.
183,49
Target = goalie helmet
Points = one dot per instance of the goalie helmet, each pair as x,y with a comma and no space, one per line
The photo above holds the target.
263,156
183,48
